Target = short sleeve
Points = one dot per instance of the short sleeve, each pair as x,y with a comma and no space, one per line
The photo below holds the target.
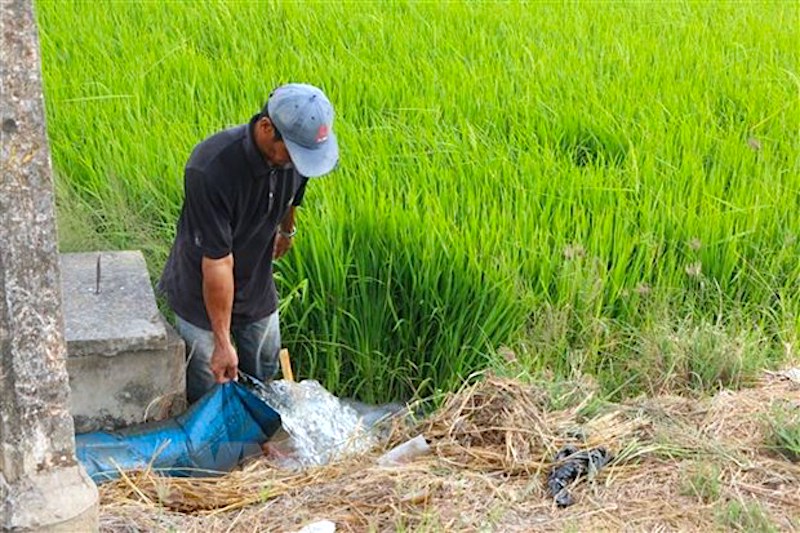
301,191
208,215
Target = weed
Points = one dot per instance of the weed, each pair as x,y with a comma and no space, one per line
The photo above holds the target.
703,482
744,516
783,430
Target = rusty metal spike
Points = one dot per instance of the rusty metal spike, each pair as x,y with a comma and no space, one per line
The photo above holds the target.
97,285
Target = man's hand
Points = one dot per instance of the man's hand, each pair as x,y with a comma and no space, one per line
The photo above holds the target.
282,245
224,362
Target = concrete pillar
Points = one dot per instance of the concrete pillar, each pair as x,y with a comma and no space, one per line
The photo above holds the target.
42,487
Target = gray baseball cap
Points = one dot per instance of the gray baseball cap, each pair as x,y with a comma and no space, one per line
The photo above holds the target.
303,116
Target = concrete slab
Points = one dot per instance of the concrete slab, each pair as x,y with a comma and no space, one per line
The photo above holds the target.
126,365
110,308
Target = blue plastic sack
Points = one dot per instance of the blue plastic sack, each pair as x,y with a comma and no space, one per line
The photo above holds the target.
221,429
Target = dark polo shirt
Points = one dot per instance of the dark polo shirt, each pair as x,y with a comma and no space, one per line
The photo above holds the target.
234,201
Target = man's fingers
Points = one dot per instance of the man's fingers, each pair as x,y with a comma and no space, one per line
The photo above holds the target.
223,363
220,374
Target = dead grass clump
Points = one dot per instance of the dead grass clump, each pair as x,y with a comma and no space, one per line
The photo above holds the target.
493,425
501,425
240,488
493,443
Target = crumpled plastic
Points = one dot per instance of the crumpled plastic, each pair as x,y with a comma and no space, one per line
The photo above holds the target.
573,464
219,431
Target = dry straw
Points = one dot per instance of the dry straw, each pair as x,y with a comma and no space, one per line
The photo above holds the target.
492,443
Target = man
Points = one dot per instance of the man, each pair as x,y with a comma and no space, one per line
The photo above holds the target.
242,186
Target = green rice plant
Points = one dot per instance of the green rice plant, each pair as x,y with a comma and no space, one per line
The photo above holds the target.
783,430
561,178
415,317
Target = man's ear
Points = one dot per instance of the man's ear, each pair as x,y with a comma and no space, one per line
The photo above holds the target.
269,129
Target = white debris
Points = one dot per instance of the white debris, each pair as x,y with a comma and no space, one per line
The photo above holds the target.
406,452
321,526
792,374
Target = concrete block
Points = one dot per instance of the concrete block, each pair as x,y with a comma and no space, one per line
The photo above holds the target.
125,363
129,388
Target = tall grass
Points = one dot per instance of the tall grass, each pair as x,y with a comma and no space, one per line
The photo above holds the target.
587,182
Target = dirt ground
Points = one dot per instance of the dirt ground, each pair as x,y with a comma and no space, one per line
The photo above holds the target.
679,465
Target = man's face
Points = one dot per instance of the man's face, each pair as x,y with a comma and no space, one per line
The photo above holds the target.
270,143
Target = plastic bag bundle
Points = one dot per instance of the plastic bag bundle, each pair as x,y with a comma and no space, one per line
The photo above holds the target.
224,427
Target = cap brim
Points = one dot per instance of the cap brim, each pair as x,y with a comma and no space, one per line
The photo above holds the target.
317,161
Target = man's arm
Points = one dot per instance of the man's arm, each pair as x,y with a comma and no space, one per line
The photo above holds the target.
285,235
218,298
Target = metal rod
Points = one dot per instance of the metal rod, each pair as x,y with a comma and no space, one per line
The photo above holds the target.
97,284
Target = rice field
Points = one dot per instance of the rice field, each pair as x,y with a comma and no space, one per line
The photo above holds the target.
548,188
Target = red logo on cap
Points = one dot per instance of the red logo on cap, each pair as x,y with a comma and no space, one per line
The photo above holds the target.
322,134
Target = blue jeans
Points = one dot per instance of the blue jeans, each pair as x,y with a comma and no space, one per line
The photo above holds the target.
257,345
